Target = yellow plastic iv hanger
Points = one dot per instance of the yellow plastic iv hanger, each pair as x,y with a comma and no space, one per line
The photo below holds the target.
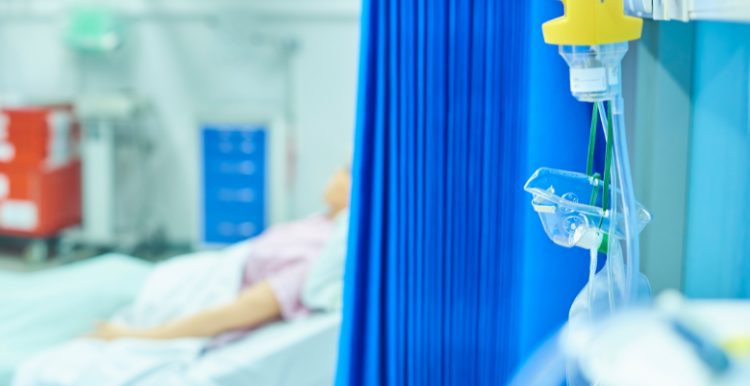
592,22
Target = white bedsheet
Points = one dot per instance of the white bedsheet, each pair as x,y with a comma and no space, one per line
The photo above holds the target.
40,310
298,353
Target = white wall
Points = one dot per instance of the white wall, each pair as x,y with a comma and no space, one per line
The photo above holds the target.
191,66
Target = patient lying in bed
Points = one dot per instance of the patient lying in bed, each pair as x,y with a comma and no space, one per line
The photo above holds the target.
273,277
198,303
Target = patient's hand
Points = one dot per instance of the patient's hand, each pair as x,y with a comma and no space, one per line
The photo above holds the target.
111,331
254,305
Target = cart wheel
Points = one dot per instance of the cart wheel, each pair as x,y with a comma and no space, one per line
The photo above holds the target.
36,251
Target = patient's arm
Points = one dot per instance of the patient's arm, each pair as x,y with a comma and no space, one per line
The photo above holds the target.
252,307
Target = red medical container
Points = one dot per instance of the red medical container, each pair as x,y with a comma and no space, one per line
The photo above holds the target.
40,171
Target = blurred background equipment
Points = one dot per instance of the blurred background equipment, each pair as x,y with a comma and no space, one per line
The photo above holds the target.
40,175
115,150
242,187
145,77
94,29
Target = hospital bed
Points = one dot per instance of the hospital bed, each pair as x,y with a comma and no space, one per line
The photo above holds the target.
42,310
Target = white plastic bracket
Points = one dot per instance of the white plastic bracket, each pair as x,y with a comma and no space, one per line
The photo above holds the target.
685,10
660,9
672,10
727,10
642,8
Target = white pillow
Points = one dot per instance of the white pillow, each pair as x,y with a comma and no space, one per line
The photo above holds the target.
324,283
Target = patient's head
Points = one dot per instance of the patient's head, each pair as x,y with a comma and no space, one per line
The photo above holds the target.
336,193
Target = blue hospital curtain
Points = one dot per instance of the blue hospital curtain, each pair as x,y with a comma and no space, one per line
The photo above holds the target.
437,236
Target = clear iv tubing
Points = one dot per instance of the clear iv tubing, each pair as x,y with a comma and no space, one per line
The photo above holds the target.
612,214
592,273
621,181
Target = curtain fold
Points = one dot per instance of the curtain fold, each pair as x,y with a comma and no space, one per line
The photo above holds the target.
436,250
